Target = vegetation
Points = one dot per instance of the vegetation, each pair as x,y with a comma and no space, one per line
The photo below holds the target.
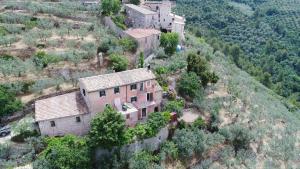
174,106
135,2
199,65
107,129
141,60
259,36
143,159
169,42
118,62
8,102
128,44
110,7
189,85
66,152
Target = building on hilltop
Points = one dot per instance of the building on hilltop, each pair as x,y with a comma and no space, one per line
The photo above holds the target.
155,14
133,93
148,39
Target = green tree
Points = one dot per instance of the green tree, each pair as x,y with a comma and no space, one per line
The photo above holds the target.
110,7
189,142
235,52
128,44
143,159
135,2
196,63
189,85
8,102
141,60
169,151
169,42
174,106
118,62
107,129
238,136
66,152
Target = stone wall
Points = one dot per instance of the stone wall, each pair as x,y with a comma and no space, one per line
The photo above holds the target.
108,22
150,144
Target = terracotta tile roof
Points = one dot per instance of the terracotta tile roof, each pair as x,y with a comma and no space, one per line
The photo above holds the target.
140,9
65,105
111,80
141,33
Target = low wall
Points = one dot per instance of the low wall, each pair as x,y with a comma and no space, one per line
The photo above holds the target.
150,144
108,22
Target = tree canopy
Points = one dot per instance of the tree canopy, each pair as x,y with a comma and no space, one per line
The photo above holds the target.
118,62
107,129
189,84
169,42
66,152
8,102
110,7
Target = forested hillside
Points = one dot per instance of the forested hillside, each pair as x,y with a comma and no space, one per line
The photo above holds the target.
262,37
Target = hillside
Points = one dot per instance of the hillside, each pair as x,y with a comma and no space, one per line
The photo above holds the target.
241,100
267,32
45,46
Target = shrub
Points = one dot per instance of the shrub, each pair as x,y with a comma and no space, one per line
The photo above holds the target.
105,45
65,152
118,62
110,7
189,142
174,106
8,102
168,151
143,159
189,85
128,44
41,59
238,136
199,123
141,60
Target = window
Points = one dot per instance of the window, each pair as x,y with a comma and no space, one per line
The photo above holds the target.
144,112
133,99
158,37
133,87
52,123
102,93
141,86
156,109
170,23
117,90
148,83
83,92
149,96
78,120
157,7
127,116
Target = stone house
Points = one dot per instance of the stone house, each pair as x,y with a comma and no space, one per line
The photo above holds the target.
155,14
139,17
148,39
133,93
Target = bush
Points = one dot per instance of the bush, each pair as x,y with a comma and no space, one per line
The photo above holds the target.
169,151
189,85
128,44
174,106
238,136
118,62
189,142
143,159
155,122
110,7
41,59
8,102
66,152
199,123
